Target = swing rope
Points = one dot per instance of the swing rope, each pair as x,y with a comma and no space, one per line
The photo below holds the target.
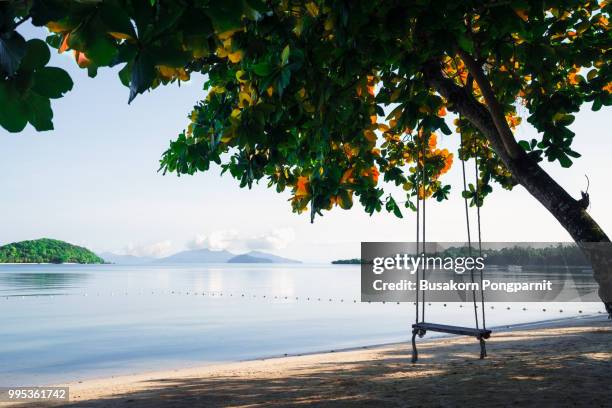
418,279
423,242
420,232
421,328
467,221
482,299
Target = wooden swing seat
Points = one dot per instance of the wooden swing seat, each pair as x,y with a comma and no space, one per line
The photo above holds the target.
421,328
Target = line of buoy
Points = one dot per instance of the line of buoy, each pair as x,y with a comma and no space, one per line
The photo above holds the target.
221,294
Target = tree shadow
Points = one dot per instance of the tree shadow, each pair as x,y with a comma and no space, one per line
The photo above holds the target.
544,369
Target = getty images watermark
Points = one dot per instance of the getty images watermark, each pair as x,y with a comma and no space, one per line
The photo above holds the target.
453,272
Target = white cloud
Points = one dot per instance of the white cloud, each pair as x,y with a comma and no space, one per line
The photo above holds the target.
216,241
231,240
156,250
276,239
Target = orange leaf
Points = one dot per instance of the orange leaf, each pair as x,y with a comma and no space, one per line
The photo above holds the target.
302,187
120,36
81,59
370,136
347,177
433,141
64,45
235,57
522,14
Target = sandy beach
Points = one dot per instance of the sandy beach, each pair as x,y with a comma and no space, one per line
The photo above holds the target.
563,363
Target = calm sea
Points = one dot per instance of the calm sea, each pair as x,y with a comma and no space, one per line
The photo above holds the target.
67,322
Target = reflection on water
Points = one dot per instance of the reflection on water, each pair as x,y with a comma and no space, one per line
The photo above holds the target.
570,283
42,283
115,319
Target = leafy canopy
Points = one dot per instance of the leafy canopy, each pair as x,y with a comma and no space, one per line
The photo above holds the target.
325,97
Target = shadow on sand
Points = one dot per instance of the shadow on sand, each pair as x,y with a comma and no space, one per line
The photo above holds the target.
523,369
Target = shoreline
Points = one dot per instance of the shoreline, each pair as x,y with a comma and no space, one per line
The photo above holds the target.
430,338
556,338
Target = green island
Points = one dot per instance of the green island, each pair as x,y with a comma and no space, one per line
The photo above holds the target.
352,261
46,250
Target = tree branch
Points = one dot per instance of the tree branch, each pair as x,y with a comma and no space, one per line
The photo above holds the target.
464,102
497,113
524,170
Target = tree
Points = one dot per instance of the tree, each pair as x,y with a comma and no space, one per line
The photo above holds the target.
322,97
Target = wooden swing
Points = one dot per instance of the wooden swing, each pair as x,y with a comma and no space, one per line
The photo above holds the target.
421,327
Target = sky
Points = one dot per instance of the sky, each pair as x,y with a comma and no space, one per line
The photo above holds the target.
93,181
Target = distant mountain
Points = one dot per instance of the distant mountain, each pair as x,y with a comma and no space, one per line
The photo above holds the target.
260,257
46,250
245,258
125,259
197,256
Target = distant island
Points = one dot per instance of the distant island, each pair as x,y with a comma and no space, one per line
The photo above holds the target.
353,261
46,250
204,255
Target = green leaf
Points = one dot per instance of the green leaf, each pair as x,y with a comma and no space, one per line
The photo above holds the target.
597,104
257,5
226,15
37,55
285,56
43,11
283,80
525,145
13,116
12,51
392,206
564,160
143,73
445,129
116,19
564,119
170,57
54,40
262,69
40,113
124,75
465,43
52,82
101,50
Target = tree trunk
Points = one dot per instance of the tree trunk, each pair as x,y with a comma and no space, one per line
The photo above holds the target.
570,213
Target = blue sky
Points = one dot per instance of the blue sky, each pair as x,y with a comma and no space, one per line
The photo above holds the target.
93,181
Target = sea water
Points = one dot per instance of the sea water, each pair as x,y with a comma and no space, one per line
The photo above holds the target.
69,322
